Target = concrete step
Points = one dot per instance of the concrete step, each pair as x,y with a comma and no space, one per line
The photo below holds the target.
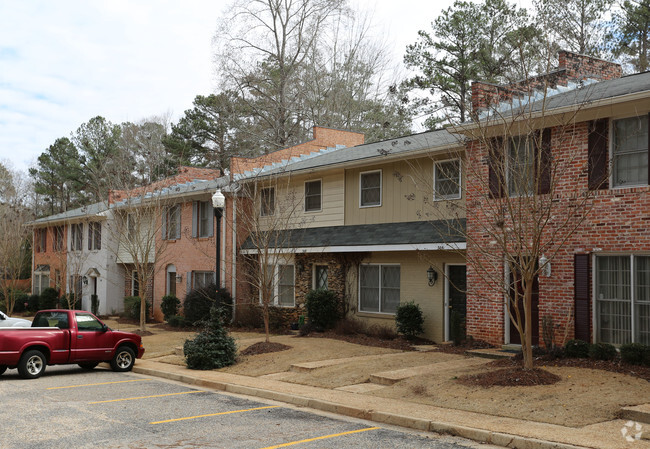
310,366
392,377
491,353
178,350
637,413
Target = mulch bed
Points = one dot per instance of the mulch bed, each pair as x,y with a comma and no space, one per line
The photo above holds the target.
462,348
510,377
398,343
264,348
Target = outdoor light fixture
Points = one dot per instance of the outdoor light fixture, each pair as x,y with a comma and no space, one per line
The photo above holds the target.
218,202
545,266
432,275
179,278
85,280
300,265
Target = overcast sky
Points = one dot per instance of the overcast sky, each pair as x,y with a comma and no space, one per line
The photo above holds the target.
63,62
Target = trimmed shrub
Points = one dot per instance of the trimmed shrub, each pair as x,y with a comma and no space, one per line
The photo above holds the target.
322,308
576,349
176,321
248,315
169,306
94,304
49,299
409,320
132,307
212,348
33,303
63,301
635,354
602,351
199,302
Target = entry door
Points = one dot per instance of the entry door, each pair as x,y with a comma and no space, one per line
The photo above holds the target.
457,301
171,281
514,334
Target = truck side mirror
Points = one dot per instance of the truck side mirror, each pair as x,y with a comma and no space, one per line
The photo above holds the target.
104,327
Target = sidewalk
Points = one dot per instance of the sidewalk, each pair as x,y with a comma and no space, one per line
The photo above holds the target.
506,432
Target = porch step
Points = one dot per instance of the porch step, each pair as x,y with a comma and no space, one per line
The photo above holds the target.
392,377
491,353
511,348
638,413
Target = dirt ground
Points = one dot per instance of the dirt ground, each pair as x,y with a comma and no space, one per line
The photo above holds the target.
583,396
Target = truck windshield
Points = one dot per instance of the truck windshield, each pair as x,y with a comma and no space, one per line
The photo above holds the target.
51,319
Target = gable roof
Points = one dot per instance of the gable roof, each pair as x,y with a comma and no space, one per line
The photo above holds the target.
83,211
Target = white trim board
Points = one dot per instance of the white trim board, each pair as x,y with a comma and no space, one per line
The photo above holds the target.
366,248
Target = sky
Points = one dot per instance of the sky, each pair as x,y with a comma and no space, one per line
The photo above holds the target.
64,62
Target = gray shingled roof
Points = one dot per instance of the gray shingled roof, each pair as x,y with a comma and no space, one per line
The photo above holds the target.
408,233
377,150
84,211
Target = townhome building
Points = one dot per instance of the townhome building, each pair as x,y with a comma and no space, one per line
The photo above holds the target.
357,221
577,142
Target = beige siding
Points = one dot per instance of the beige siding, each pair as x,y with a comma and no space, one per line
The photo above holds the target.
413,287
407,194
290,202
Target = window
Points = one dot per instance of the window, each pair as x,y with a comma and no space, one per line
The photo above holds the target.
379,288
202,219
202,279
131,227
521,166
320,277
41,240
135,284
87,322
41,279
313,196
623,299
76,236
370,189
446,180
286,295
94,236
267,200
630,151
172,222
57,244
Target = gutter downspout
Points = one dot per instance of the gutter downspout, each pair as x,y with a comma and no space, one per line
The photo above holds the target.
233,287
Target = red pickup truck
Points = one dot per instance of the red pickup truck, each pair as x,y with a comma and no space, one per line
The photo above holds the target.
60,337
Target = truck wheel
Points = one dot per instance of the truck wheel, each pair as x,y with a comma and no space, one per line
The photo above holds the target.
3,368
88,365
123,360
32,364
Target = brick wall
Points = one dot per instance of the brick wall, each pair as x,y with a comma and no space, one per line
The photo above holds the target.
57,260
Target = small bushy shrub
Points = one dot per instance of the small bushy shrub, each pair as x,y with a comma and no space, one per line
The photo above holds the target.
19,302
49,299
248,315
65,302
132,307
94,304
33,303
322,308
169,306
212,348
635,354
176,321
576,349
409,320
199,302
602,351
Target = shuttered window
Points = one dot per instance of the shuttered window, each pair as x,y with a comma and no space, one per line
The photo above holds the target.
630,151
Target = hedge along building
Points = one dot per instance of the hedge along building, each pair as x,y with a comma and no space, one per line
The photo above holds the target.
356,221
560,182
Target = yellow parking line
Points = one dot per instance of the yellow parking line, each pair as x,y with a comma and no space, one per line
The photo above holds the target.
214,414
147,397
323,437
92,385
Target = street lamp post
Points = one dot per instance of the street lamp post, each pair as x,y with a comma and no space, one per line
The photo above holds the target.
218,202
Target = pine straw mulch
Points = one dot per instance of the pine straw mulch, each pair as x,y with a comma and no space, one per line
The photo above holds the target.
399,343
264,347
510,377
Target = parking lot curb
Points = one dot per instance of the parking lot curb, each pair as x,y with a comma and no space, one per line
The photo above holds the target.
471,433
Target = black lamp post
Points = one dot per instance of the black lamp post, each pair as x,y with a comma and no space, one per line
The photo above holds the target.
218,202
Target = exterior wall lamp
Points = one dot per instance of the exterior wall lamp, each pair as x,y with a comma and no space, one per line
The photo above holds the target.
545,266
179,278
85,280
432,276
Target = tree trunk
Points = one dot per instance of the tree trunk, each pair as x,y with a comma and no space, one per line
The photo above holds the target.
527,340
143,312
265,312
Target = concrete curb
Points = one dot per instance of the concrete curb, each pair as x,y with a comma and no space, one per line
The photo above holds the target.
479,435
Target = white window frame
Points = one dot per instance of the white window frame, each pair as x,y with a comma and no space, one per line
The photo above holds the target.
134,280
315,279
172,232
271,205
320,209
92,240
203,229
74,227
633,299
457,196
276,283
204,274
381,189
40,274
380,265
508,149
612,167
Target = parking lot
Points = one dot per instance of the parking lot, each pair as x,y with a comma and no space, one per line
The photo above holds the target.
70,407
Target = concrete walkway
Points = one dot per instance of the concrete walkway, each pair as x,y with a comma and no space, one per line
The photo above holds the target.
506,432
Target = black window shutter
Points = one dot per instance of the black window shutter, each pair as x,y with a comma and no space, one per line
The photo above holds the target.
543,163
581,291
495,167
598,153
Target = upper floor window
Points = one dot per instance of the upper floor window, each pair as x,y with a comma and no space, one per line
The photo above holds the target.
76,236
202,219
630,151
57,244
131,227
172,222
40,240
370,189
313,196
446,180
267,200
94,236
520,171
